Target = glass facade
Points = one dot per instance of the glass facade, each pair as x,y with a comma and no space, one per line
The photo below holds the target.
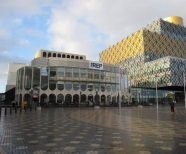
66,86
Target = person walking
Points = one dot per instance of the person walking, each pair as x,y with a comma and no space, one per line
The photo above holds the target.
172,105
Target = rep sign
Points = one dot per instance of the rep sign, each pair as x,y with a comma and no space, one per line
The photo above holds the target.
95,65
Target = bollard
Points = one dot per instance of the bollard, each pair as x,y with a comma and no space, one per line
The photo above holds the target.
16,109
10,110
5,110
25,108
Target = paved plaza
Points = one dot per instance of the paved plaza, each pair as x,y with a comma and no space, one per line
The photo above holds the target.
131,130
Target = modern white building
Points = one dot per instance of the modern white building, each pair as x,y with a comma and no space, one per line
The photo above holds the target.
60,78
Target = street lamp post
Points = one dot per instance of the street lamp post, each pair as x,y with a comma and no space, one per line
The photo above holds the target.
97,96
156,92
139,96
148,96
80,99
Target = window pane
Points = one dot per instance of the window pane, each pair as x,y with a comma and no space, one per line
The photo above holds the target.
83,86
44,78
90,74
28,78
60,73
90,86
76,73
36,77
68,72
108,76
60,98
102,87
60,85
53,73
68,86
97,86
96,75
102,75
52,85
76,85
113,87
108,86
83,74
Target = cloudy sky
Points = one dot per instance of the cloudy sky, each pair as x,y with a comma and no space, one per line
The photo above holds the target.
76,26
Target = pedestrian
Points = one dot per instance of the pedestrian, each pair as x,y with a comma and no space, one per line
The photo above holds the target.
13,104
172,105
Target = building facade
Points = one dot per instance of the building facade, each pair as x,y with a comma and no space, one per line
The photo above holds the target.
154,61
66,79
12,72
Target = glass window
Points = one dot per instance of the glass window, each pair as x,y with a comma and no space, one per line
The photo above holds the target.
18,79
60,98
28,78
108,86
90,86
52,72
108,98
49,54
44,54
52,98
52,85
83,86
113,88
113,79
68,86
83,74
114,99
102,75
63,56
59,55
117,87
90,74
108,76
117,77
54,54
68,72
36,77
97,86
76,73
102,87
60,85
96,74
43,98
44,78
21,78
76,85
60,73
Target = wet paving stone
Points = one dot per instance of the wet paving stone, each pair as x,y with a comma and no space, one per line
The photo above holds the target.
134,130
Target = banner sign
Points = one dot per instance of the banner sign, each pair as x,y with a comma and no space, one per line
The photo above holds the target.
35,96
95,65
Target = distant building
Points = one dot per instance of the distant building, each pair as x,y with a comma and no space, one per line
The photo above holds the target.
12,72
153,57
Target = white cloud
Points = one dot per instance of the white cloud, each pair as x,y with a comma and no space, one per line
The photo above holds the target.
77,26
7,58
91,26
